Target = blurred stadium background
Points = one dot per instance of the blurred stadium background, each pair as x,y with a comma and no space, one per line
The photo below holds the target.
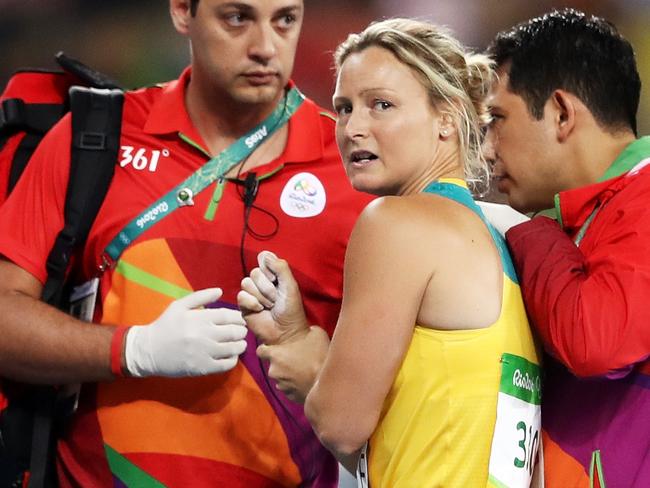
135,43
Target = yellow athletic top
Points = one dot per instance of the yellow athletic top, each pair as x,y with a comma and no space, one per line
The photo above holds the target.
438,420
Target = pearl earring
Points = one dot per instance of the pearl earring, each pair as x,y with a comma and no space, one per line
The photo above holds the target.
444,132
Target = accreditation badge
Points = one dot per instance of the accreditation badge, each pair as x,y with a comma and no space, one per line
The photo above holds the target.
362,468
82,300
517,432
82,306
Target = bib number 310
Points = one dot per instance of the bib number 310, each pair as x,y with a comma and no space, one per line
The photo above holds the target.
528,444
517,429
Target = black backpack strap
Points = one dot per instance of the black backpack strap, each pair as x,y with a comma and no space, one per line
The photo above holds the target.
96,124
35,119
96,127
38,117
88,75
42,466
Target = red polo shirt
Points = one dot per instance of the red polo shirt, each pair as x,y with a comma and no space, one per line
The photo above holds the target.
231,429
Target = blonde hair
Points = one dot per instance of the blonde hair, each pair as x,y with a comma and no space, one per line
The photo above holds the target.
452,75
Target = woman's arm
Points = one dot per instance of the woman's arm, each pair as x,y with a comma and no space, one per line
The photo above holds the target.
387,269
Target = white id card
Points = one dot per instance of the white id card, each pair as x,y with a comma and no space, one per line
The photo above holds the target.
517,432
83,299
82,306
362,468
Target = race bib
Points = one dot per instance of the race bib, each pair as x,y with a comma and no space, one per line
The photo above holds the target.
517,432
362,468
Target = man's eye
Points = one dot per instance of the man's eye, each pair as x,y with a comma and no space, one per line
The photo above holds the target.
235,19
494,119
287,21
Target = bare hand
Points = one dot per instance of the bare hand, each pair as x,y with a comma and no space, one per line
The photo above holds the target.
296,364
270,301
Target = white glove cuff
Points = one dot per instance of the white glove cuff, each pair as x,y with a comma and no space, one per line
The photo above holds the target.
133,354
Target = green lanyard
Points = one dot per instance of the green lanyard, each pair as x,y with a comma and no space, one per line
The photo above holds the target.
631,156
585,226
183,193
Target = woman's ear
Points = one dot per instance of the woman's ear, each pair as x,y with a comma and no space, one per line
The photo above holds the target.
446,127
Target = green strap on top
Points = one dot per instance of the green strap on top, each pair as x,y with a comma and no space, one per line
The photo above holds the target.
183,193
632,155
462,195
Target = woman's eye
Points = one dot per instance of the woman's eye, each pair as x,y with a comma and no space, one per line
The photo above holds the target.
342,109
382,105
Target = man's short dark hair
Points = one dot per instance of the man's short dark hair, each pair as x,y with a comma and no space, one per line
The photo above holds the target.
584,55
193,5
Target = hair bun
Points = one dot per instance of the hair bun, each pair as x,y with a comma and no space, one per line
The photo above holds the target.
480,77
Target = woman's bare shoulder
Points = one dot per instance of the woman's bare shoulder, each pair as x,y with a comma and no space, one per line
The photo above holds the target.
420,214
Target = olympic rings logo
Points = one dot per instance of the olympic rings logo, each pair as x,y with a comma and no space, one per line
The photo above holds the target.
305,187
299,206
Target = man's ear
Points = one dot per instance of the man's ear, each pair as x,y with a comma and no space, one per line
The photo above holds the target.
564,113
181,14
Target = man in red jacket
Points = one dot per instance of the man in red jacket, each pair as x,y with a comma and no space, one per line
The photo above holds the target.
564,136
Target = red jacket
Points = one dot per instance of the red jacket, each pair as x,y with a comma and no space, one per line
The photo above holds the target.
586,285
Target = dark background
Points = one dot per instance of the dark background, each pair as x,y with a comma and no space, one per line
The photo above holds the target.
135,42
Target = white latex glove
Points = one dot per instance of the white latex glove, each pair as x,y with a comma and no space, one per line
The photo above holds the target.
187,340
502,217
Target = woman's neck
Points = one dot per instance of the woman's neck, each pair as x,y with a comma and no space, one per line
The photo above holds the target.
444,166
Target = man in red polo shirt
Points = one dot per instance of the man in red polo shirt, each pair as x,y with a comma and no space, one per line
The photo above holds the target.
226,161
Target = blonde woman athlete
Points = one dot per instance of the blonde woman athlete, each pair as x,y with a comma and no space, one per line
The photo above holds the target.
432,361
